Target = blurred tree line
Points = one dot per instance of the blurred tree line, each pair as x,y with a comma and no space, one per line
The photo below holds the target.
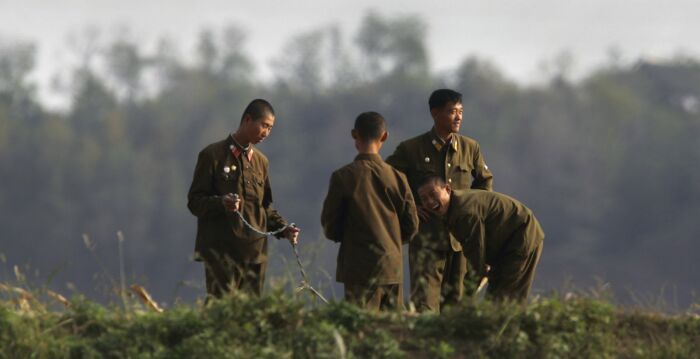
609,163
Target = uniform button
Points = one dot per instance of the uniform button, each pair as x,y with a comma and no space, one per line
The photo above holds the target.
449,165
449,180
247,181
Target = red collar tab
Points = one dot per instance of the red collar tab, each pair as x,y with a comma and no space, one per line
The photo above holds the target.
237,152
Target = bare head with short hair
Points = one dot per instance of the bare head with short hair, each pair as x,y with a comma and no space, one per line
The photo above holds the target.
431,179
369,132
256,122
446,109
441,97
370,126
258,109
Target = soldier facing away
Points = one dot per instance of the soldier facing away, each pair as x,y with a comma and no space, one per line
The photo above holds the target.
496,232
437,266
235,257
370,210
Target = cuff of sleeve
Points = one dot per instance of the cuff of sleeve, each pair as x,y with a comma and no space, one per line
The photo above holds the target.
278,227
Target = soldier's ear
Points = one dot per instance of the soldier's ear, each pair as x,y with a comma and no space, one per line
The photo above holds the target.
448,189
246,119
434,112
384,137
353,133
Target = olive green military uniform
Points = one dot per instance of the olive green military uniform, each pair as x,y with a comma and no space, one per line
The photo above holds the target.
498,231
234,256
436,263
370,210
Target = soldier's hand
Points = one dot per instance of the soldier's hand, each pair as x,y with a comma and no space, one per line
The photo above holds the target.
232,202
423,213
292,235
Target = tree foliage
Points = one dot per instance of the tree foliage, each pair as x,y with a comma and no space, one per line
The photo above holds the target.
610,164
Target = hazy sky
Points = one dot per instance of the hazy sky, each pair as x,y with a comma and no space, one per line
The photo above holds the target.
515,35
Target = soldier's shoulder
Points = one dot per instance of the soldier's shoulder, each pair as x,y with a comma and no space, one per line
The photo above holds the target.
346,169
214,147
460,194
390,169
260,154
415,141
459,202
467,141
502,197
468,194
412,147
470,200
346,174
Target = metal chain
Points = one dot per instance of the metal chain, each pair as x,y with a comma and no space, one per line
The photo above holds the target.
304,278
272,233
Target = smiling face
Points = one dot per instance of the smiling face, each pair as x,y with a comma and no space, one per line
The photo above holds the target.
256,130
448,118
435,197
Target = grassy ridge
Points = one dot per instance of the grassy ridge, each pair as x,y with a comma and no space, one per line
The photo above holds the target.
277,326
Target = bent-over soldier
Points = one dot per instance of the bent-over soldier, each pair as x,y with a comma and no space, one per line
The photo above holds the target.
496,232
437,266
370,210
231,175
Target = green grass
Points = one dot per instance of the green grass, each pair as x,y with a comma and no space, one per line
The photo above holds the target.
280,326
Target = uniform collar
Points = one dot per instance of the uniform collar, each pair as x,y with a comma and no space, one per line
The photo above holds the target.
439,143
374,157
237,149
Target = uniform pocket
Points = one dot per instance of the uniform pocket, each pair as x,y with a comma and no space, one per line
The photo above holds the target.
460,177
258,181
225,182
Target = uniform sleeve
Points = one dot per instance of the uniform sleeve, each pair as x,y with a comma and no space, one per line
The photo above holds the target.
409,216
202,199
483,178
334,210
473,239
274,220
399,159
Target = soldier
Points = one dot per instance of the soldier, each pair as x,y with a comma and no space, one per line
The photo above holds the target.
437,266
235,258
370,210
496,232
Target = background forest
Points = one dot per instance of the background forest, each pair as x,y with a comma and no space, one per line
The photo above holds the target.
610,163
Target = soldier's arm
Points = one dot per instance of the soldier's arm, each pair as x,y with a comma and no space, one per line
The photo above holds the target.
483,178
409,216
473,239
334,210
274,220
202,200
